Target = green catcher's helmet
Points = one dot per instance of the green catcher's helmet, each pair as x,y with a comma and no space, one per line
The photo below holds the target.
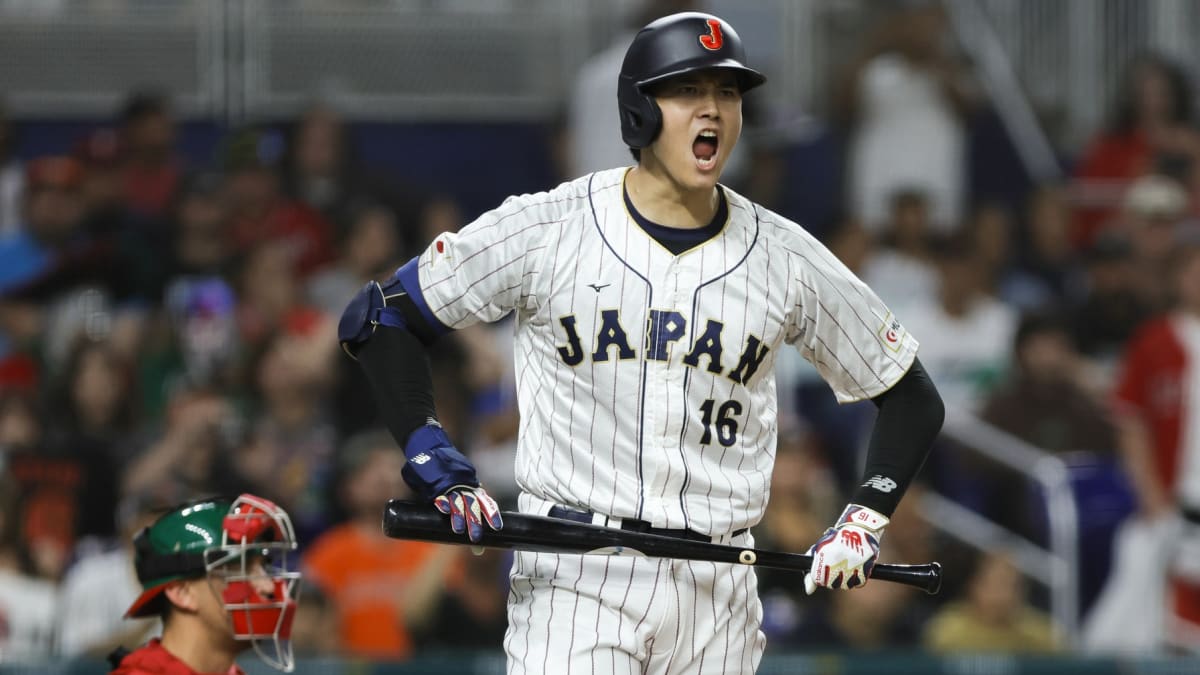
173,548
246,543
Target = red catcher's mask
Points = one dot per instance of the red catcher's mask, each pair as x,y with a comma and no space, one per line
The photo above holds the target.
255,560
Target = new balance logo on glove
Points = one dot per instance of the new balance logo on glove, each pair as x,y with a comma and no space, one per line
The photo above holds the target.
420,459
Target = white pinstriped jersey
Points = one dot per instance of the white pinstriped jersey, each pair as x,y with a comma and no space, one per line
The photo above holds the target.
644,379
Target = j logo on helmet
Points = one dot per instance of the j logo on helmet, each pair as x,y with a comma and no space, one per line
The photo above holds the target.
713,40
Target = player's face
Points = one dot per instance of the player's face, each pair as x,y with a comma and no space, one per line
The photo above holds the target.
701,123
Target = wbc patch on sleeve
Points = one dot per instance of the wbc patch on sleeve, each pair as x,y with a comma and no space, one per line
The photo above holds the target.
891,333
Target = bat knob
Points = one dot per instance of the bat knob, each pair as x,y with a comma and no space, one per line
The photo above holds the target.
747,557
935,579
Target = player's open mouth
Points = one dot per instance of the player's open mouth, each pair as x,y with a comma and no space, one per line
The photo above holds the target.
705,149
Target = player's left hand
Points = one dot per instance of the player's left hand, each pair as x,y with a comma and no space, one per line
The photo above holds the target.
469,508
844,556
438,472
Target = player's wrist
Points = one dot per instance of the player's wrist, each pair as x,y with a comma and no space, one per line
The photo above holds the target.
865,517
434,465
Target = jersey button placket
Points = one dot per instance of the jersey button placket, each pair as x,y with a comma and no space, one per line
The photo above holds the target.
678,301
660,377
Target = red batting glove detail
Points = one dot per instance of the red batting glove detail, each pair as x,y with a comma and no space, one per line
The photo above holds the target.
469,508
845,554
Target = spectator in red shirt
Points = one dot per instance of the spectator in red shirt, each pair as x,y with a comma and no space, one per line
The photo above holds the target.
261,212
1153,124
151,171
1157,413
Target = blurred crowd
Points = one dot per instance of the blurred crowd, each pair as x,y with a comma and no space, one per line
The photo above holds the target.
168,330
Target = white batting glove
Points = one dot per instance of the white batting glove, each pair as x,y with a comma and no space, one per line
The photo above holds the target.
844,556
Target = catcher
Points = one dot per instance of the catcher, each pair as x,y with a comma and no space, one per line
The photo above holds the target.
216,572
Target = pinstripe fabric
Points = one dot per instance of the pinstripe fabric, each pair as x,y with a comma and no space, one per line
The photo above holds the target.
645,390
615,431
620,614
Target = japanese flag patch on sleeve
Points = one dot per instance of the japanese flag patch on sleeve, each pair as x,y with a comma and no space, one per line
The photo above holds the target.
891,333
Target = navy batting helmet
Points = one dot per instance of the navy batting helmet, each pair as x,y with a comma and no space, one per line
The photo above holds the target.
673,45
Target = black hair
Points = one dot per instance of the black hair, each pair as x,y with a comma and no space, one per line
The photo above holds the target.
1125,115
637,154
160,606
347,161
908,196
60,396
1108,248
8,132
351,456
143,103
1047,320
955,247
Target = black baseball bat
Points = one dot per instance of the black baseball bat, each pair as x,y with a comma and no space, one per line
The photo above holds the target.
524,532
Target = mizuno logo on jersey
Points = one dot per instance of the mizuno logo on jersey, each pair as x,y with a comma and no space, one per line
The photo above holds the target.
598,287
664,328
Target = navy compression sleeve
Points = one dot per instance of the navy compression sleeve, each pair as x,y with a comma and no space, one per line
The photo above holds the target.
396,363
910,415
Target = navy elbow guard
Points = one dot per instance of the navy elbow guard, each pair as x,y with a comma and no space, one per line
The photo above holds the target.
368,309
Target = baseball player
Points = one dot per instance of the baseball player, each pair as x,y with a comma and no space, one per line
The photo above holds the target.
650,303
215,571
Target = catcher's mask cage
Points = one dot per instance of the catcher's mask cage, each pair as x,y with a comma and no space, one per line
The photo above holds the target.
255,553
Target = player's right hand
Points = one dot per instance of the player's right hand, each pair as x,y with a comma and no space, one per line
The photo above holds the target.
469,508
844,556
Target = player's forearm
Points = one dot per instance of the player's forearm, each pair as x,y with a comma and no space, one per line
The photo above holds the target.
910,417
397,365
1134,444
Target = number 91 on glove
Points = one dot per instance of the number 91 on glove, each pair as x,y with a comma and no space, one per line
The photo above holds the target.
845,554
469,508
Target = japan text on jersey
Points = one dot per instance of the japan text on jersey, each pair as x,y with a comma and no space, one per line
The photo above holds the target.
644,378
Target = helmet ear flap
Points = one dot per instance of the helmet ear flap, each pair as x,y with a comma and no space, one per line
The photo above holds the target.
641,120
652,120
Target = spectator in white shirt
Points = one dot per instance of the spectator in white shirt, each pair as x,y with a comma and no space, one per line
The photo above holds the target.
12,179
966,333
99,587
